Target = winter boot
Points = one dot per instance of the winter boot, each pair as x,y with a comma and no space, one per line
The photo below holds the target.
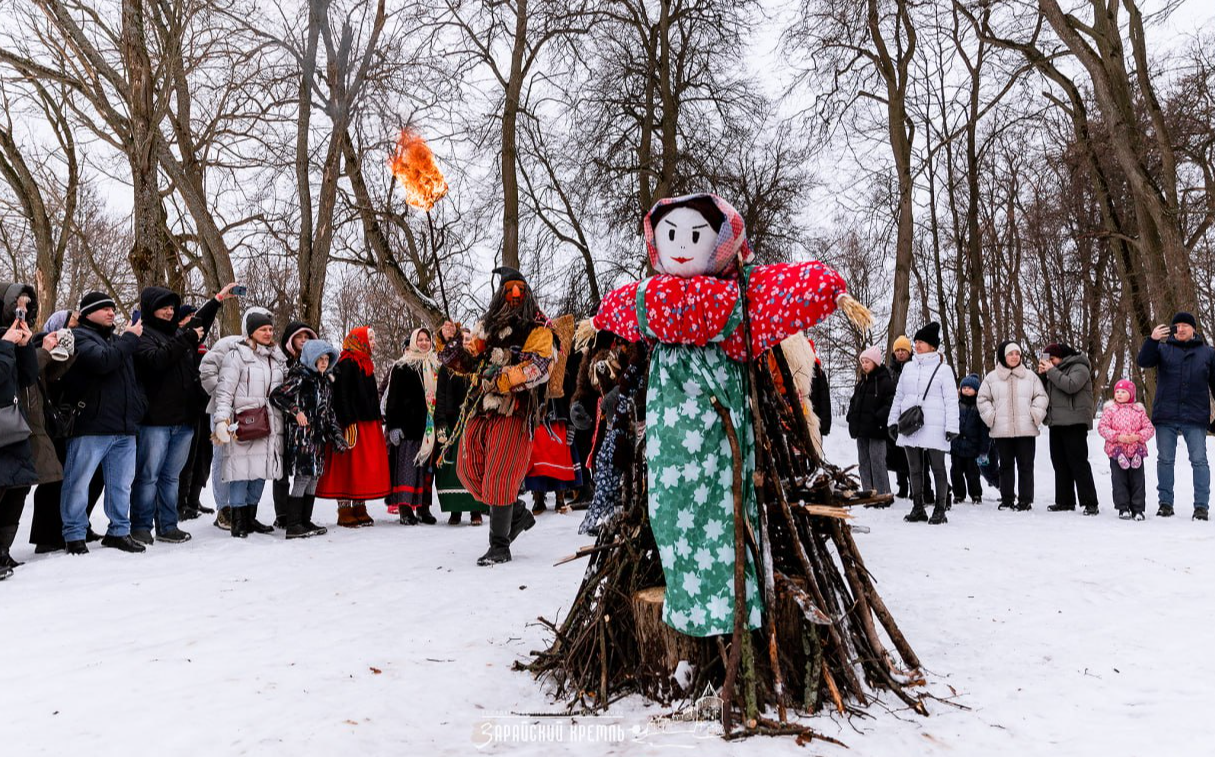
1023,506
407,517
976,500
1165,511
538,503
1091,510
1124,513
346,517
454,519
8,535
124,543
237,519
938,514
143,537
521,520
1200,513
1138,515
253,525
917,514
360,514
7,561
223,519
500,522
77,547
307,502
423,513
474,519
1059,508
176,536
293,518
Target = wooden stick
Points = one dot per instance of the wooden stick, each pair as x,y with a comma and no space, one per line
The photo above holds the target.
740,576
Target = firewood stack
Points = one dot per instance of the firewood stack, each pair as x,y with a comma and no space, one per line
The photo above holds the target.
828,639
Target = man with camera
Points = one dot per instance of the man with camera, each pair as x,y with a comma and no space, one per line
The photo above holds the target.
1185,383
168,374
103,432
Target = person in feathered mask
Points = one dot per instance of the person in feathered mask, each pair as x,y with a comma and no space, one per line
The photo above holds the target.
510,358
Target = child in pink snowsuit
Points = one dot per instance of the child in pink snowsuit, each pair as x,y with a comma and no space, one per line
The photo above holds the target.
1126,428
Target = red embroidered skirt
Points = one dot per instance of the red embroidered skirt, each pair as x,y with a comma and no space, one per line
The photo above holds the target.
495,455
360,474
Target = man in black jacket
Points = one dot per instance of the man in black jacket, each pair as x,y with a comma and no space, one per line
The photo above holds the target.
166,368
102,384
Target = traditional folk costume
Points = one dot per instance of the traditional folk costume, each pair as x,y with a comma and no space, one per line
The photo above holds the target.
510,359
361,474
409,417
454,499
692,315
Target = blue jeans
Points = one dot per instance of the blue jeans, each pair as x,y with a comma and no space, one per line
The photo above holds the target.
116,456
1166,447
161,454
244,493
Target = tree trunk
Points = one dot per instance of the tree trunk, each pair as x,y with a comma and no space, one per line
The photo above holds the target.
510,150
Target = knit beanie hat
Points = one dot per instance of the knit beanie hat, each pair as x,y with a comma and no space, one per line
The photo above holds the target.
873,355
254,319
1127,385
1184,317
94,301
973,381
902,343
930,335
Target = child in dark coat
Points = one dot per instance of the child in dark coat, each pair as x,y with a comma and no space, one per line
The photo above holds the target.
970,444
306,399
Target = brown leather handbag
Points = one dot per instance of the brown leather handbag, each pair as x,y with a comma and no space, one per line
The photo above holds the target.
252,424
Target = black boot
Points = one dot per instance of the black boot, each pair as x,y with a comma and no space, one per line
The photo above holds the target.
938,512
292,518
252,525
521,519
124,543
307,503
407,516
454,519
238,517
917,514
424,515
538,503
7,561
77,547
500,518
5,572
8,535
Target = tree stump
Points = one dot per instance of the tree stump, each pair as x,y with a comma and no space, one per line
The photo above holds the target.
660,647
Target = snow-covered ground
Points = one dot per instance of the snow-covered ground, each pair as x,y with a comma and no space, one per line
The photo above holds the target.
1063,635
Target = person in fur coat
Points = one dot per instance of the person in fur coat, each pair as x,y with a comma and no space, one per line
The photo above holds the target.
1125,427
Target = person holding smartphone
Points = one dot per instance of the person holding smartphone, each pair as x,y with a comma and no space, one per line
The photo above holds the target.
1185,383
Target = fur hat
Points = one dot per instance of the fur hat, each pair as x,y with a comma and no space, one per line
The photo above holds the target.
930,335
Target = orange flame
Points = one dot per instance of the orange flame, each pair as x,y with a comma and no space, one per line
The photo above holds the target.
413,165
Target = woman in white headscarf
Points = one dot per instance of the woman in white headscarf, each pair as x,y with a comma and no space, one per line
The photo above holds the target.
409,408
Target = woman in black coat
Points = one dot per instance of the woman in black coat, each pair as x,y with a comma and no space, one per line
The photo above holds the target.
868,411
409,421
18,370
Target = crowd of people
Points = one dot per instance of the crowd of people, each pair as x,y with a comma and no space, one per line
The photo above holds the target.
908,413
143,416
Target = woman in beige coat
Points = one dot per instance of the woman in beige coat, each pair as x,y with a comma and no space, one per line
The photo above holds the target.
1012,402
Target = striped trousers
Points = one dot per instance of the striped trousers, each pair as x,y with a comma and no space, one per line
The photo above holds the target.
495,455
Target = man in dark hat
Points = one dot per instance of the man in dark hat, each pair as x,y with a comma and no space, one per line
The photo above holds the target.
166,363
103,385
510,356
1185,383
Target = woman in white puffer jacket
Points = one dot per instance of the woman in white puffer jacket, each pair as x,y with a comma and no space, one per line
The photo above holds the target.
1012,402
927,381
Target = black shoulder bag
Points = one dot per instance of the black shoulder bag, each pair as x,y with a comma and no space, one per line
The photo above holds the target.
911,420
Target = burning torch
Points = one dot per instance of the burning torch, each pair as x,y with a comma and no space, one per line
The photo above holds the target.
413,165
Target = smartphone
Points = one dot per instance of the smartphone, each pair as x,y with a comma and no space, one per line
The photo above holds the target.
240,290
1173,330
135,316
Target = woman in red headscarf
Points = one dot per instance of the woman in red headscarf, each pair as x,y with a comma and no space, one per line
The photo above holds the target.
361,474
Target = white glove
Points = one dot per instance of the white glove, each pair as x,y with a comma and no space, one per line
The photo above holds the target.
222,434
395,436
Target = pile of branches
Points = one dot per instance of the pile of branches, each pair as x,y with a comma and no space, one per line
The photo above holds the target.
827,640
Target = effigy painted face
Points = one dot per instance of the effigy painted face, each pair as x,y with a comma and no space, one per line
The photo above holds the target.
685,242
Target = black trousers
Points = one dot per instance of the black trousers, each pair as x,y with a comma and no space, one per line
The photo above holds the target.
1017,468
919,461
197,470
1069,457
46,529
12,502
1130,488
965,477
